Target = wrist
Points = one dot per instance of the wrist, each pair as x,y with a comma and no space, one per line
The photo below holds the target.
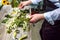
42,16
29,2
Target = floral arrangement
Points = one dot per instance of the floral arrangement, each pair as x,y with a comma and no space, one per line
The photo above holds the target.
16,21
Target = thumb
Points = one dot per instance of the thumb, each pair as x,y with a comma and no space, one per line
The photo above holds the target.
21,5
30,16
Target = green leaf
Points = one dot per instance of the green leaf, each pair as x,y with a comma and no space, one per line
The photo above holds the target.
15,3
8,16
5,20
9,31
1,6
15,34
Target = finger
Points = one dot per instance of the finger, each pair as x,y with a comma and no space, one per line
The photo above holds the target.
32,20
20,5
30,16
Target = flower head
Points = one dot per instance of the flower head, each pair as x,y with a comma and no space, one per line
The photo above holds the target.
5,2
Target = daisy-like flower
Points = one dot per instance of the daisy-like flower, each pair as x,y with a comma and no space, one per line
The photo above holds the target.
5,2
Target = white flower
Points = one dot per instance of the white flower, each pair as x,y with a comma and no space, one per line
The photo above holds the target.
27,16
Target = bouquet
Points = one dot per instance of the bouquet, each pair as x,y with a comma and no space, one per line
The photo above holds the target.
16,21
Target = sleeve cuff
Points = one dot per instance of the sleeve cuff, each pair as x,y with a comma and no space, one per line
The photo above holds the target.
49,18
35,1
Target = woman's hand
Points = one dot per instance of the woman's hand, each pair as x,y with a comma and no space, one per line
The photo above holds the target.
22,4
36,17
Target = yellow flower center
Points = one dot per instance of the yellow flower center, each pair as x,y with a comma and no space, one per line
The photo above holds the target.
4,1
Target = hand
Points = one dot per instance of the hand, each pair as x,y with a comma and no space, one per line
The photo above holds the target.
22,4
36,17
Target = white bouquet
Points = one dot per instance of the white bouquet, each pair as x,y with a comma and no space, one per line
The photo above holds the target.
17,23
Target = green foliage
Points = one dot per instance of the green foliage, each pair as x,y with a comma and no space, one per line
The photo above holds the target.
9,31
1,7
8,16
15,3
5,20
23,37
17,22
